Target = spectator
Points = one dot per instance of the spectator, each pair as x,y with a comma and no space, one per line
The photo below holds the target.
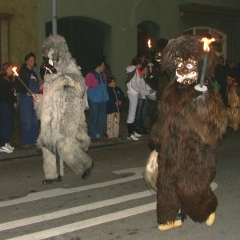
140,86
116,99
8,104
220,76
232,72
29,121
97,99
133,95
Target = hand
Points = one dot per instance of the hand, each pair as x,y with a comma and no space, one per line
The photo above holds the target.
119,102
86,108
35,97
15,105
28,94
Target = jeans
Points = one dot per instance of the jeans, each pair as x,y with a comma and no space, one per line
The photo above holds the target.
139,120
97,112
29,121
7,113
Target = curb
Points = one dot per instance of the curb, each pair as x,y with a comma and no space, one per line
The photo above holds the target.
26,153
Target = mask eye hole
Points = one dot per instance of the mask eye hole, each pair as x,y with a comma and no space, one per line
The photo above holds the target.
180,65
189,66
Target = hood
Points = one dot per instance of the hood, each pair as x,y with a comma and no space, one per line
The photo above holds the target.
130,68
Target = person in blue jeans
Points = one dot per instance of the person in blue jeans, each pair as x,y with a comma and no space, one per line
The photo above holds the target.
8,104
97,99
29,121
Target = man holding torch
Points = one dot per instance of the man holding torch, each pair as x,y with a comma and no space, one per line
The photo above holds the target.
28,83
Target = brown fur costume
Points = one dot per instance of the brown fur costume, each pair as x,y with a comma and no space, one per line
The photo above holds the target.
186,136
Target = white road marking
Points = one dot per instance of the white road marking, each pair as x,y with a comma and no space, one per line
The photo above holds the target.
74,210
86,223
60,191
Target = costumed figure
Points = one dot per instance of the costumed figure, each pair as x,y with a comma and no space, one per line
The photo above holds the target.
233,110
185,137
63,137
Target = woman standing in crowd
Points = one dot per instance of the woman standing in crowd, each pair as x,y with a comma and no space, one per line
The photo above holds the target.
144,90
8,104
29,122
133,95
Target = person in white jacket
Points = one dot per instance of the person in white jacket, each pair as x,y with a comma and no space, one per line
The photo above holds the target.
140,86
133,95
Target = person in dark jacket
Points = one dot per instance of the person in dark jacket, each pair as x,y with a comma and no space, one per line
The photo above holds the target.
8,104
220,76
116,98
29,121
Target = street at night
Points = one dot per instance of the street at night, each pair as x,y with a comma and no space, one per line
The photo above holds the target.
113,203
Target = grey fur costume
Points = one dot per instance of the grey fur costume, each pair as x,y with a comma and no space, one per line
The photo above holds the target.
61,111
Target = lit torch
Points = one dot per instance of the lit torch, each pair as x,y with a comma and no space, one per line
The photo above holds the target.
14,69
149,46
206,49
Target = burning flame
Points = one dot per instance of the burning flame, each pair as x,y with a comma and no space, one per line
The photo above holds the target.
14,69
149,43
206,43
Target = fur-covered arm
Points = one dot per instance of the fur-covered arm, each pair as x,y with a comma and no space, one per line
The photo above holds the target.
38,105
72,123
208,116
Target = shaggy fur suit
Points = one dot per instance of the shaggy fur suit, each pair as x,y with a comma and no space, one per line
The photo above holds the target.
61,111
186,135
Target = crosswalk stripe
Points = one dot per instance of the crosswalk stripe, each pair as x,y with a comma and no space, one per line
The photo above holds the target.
74,210
60,191
86,223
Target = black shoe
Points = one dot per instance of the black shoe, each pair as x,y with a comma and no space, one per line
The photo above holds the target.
87,172
50,181
58,179
47,181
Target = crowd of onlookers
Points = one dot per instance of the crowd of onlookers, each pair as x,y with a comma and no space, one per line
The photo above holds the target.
103,98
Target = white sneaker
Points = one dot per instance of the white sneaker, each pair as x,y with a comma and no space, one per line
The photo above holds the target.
9,146
5,149
133,137
137,134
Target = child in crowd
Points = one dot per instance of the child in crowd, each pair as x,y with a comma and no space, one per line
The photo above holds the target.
116,98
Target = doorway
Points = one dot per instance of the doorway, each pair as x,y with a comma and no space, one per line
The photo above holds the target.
147,30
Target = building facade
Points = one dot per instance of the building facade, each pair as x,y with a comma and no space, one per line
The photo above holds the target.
116,28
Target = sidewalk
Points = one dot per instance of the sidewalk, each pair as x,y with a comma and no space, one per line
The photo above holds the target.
122,139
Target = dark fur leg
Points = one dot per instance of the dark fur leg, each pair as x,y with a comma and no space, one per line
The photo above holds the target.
199,204
168,205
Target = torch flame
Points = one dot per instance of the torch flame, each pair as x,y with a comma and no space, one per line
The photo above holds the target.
207,41
149,43
14,69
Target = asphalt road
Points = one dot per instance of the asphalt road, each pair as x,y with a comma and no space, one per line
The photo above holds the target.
113,203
